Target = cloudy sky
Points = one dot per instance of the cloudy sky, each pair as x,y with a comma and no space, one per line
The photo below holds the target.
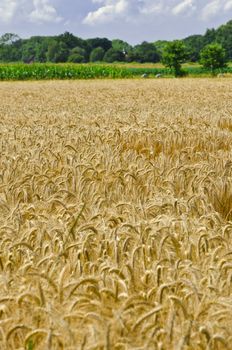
131,20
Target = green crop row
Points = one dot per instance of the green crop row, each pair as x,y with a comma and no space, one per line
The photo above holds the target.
87,71
53,71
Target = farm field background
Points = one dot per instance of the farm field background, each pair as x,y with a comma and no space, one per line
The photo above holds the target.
115,212
66,71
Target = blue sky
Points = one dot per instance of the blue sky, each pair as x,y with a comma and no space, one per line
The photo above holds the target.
131,20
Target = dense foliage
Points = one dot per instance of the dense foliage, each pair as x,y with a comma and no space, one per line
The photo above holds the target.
213,56
174,54
69,48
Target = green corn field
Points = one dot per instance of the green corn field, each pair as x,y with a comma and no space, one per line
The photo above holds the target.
37,71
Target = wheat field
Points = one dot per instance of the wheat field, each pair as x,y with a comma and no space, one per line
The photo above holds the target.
116,215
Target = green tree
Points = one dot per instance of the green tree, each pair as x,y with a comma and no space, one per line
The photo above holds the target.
105,43
51,52
10,53
35,49
28,52
70,40
113,55
57,52
194,45
9,38
224,37
213,56
174,54
77,55
121,45
93,43
10,47
160,45
145,52
210,36
41,51
97,54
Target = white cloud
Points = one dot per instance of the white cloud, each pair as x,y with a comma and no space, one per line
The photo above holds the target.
148,7
211,9
108,12
28,10
8,9
216,7
185,7
124,9
130,9
228,5
44,12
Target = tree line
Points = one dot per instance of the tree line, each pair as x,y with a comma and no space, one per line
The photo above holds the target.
70,48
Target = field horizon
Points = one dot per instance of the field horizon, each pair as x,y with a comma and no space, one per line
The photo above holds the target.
88,71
